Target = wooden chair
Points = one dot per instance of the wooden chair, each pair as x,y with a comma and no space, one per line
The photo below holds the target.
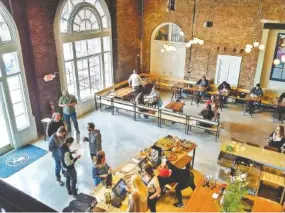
176,93
271,148
236,140
252,144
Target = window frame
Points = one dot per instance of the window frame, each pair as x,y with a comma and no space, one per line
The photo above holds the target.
72,37
273,66
9,47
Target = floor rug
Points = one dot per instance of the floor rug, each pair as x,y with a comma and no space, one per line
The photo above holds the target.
18,159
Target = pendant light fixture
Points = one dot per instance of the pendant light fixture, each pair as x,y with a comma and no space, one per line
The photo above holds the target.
194,39
168,47
256,44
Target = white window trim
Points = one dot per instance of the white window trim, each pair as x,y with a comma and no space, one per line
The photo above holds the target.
62,38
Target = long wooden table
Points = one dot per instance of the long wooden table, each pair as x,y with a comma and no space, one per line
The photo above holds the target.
183,159
266,157
202,201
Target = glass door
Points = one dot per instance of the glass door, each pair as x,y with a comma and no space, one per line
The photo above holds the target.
5,141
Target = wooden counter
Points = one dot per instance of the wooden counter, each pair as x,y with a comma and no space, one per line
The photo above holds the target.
202,201
183,159
266,157
264,205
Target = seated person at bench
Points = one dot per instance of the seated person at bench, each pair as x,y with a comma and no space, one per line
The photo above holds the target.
140,100
257,92
214,104
153,97
203,83
224,90
277,139
183,177
207,114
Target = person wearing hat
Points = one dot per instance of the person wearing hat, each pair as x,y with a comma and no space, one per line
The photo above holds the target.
183,177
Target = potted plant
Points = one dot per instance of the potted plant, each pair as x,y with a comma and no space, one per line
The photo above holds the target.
237,188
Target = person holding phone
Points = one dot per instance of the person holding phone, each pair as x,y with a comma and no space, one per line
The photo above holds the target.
68,162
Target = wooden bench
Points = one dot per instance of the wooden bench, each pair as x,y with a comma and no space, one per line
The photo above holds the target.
196,122
166,115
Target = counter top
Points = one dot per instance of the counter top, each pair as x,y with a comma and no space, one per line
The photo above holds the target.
260,155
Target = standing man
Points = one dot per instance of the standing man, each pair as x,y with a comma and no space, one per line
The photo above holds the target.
95,141
68,102
135,81
55,141
68,162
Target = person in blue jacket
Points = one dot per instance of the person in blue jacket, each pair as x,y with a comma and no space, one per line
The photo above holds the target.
55,141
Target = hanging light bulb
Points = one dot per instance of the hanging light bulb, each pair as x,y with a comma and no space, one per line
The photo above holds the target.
201,42
276,61
188,44
256,44
261,47
162,50
283,58
247,50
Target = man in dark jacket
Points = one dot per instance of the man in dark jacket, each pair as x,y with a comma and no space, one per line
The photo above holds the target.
257,91
95,140
68,162
55,141
183,177
55,123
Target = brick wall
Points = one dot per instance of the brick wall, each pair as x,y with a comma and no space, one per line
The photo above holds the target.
34,20
128,42
234,26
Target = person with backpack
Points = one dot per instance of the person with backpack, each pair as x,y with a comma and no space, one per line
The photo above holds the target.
55,141
68,162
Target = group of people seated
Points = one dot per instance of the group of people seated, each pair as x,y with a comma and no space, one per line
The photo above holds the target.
224,89
147,188
141,98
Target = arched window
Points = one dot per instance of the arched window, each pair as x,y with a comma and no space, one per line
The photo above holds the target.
169,32
85,39
164,61
15,111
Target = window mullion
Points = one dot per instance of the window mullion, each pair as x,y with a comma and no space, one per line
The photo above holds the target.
76,72
103,64
7,97
90,86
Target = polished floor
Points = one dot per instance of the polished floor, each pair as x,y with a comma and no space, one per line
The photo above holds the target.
123,137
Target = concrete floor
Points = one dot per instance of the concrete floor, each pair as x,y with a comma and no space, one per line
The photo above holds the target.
123,137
